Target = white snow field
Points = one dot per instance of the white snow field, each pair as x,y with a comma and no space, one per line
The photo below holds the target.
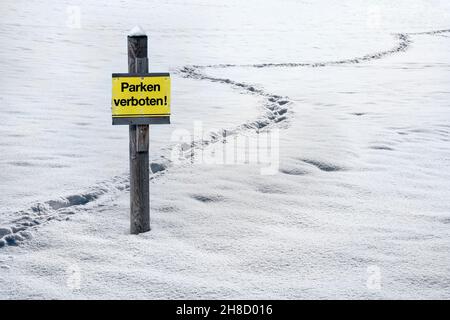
357,92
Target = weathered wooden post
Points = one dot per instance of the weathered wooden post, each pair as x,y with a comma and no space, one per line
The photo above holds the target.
139,99
139,143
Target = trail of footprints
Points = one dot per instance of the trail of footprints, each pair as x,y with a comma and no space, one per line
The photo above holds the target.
276,110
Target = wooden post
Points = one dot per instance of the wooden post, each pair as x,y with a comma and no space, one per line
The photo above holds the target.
139,144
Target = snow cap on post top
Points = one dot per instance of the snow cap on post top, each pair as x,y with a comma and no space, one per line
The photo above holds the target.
137,48
137,31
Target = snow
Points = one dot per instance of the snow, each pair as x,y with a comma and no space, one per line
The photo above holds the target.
359,96
136,31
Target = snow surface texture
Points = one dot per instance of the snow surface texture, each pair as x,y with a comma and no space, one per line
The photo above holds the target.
354,195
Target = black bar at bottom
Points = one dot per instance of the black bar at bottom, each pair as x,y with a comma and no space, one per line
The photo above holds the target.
235,309
143,120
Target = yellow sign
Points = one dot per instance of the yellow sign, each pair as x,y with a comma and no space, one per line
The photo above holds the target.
139,96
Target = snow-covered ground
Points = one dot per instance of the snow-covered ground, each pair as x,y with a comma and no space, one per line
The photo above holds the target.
357,92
